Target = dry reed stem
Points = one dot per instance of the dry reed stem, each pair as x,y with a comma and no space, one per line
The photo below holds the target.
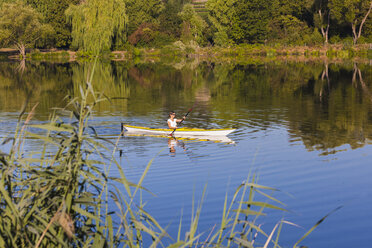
48,226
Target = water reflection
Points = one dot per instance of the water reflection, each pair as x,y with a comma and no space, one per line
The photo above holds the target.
325,105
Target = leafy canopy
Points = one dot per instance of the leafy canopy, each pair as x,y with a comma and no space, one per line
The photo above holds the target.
142,11
221,15
54,14
193,23
97,24
251,21
21,24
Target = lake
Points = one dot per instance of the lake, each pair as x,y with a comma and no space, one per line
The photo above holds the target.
303,127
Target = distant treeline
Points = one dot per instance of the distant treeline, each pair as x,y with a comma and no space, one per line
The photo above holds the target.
104,25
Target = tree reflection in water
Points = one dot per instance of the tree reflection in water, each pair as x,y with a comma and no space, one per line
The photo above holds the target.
325,104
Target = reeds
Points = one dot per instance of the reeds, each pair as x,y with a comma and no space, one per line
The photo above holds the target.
62,195
59,195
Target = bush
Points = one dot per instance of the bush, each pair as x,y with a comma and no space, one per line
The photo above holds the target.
347,43
369,54
35,54
162,39
126,47
65,54
143,35
369,39
316,38
136,52
179,45
84,54
335,39
362,40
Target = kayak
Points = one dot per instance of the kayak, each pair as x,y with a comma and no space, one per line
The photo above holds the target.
218,139
180,132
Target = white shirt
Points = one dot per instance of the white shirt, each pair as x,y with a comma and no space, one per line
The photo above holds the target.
173,123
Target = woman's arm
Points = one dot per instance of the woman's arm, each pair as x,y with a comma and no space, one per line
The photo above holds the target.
179,120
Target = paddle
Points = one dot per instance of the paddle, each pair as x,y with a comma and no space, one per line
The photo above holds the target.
188,112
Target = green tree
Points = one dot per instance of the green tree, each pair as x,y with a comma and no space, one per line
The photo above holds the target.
367,30
251,21
322,16
192,24
21,26
351,12
97,24
141,11
221,14
54,14
169,19
289,21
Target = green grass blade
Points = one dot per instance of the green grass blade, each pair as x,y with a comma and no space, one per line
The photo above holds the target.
315,226
265,205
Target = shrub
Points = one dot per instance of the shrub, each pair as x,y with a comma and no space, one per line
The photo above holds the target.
136,52
347,43
161,39
179,45
84,54
316,38
143,35
362,40
65,54
335,39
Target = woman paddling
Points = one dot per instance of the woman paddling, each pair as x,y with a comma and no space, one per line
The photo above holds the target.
172,121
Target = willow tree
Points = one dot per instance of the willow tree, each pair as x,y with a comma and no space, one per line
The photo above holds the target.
97,25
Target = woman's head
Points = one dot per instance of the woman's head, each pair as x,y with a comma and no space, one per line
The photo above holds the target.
171,113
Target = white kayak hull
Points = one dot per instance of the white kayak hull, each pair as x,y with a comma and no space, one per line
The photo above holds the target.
181,132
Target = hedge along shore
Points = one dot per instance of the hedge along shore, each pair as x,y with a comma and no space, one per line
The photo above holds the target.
340,51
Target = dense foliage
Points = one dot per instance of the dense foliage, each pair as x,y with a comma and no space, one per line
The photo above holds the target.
22,26
93,25
97,25
54,14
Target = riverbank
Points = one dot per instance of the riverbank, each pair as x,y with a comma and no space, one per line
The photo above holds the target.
179,50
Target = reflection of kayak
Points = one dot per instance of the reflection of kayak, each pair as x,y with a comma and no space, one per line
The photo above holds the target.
220,138
180,132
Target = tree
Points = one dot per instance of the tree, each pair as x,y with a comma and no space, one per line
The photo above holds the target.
144,34
289,20
54,14
22,26
351,12
97,24
251,21
192,23
141,11
169,19
322,17
221,14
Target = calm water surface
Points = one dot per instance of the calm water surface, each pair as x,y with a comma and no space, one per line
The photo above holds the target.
302,127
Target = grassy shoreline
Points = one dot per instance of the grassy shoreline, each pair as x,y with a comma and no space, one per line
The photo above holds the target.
337,51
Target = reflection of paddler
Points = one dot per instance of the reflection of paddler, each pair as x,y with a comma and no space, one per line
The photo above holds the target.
171,144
